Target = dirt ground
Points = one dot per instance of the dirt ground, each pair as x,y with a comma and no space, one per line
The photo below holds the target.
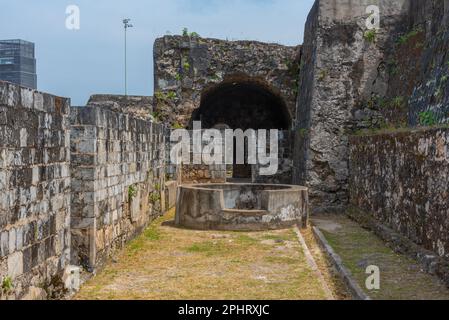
172,263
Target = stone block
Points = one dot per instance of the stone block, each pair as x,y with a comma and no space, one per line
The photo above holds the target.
4,243
15,264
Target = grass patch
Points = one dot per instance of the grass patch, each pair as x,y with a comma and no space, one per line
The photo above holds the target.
282,260
287,236
209,248
174,263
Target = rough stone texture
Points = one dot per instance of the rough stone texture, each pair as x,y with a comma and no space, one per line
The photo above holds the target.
138,106
118,176
241,207
171,187
339,68
219,173
188,67
431,85
402,179
34,189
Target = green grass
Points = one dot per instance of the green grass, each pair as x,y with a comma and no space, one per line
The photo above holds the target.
370,35
401,277
209,248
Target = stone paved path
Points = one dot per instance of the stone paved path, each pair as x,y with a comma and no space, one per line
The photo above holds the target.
171,263
401,277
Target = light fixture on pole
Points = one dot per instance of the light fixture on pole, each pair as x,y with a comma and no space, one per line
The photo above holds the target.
126,23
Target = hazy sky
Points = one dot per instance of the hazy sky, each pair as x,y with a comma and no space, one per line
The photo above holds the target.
79,63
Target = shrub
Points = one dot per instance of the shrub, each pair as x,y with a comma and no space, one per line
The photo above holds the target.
427,119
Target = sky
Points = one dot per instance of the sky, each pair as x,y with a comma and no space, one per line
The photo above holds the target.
78,63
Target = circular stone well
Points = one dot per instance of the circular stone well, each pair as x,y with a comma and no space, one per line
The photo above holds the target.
241,207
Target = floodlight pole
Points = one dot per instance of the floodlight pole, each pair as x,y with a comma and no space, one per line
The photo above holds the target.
126,23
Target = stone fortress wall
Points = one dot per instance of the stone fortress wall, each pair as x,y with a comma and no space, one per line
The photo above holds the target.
35,192
348,96
118,178
76,184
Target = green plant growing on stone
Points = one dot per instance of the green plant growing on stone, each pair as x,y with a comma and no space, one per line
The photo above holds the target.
7,285
178,77
427,119
177,125
171,95
186,33
303,132
398,102
157,187
156,116
370,35
154,197
132,192
159,95
186,66
406,37
392,66
322,75
165,96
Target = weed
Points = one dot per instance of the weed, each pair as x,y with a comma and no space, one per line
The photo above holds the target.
186,33
177,125
398,102
7,284
427,119
370,35
406,37
186,66
154,197
322,75
165,96
132,192
392,67
303,132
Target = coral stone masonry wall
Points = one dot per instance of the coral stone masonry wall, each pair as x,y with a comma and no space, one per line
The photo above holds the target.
403,180
118,178
187,67
140,107
340,69
34,191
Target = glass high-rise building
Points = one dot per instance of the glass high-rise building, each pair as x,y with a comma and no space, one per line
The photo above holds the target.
17,63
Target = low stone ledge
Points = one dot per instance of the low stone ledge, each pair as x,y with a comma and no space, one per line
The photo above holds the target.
241,207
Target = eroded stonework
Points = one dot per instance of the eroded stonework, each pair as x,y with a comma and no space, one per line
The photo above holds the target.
186,67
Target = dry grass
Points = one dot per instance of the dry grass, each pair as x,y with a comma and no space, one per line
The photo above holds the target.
171,263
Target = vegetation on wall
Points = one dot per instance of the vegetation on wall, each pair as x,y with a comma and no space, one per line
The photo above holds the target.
427,119
370,35
132,192
186,33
